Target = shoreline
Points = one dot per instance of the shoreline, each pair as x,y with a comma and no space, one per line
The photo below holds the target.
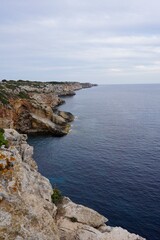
29,107
25,200
21,183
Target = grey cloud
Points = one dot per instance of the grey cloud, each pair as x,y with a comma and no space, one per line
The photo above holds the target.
104,41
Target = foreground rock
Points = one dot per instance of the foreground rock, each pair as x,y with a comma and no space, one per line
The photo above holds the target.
78,222
26,209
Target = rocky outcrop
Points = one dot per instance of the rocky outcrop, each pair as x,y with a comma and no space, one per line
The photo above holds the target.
29,106
26,209
81,214
78,222
66,115
65,94
28,117
88,85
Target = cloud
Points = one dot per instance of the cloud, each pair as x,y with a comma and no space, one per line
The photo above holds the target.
72,39
153,68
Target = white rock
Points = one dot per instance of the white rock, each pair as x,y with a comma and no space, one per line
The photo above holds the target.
82,214
119,233
5,218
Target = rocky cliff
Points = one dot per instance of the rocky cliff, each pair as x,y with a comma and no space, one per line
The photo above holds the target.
30,107
26,208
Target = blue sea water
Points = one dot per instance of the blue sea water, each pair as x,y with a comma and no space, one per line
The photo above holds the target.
110,161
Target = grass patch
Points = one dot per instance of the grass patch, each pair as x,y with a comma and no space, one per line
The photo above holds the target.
3,97
23,95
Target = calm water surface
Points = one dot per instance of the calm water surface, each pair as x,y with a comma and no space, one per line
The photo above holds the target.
111,159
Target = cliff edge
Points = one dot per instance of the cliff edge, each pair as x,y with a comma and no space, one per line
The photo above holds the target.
26,207
30,107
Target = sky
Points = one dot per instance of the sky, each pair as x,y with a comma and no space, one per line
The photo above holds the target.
98,41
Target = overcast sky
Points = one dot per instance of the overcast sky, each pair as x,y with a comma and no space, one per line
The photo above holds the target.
100,41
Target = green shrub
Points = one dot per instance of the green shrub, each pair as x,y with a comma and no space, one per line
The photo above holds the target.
2,139
23,95
1,130
11,86
73,219
56,196
3,98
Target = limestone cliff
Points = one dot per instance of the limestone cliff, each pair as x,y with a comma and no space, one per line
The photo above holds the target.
26,209
29,107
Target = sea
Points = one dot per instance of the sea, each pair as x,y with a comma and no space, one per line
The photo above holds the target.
110,160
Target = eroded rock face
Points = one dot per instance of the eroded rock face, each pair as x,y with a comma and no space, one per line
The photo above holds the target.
26,209
34,117
30,107
6,117
66,115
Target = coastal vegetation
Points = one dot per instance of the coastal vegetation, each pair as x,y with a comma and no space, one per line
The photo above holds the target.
56,196
73,219
2,139
11,90
23,95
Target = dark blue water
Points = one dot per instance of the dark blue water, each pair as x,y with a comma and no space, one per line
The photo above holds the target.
111,159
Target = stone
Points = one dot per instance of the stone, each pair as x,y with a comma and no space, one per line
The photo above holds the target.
82,214
118,233
66,115
5,218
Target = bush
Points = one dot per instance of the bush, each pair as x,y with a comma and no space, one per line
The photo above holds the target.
3,98
56,196
2,139
73,219
23,95
1,130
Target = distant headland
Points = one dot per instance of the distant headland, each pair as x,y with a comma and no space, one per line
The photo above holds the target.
31,106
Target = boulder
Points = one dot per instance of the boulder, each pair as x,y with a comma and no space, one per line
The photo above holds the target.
45,125
69,117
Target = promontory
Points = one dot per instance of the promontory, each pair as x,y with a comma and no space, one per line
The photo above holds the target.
30,106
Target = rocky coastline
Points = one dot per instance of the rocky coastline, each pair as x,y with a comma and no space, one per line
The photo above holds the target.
31,107
27,211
